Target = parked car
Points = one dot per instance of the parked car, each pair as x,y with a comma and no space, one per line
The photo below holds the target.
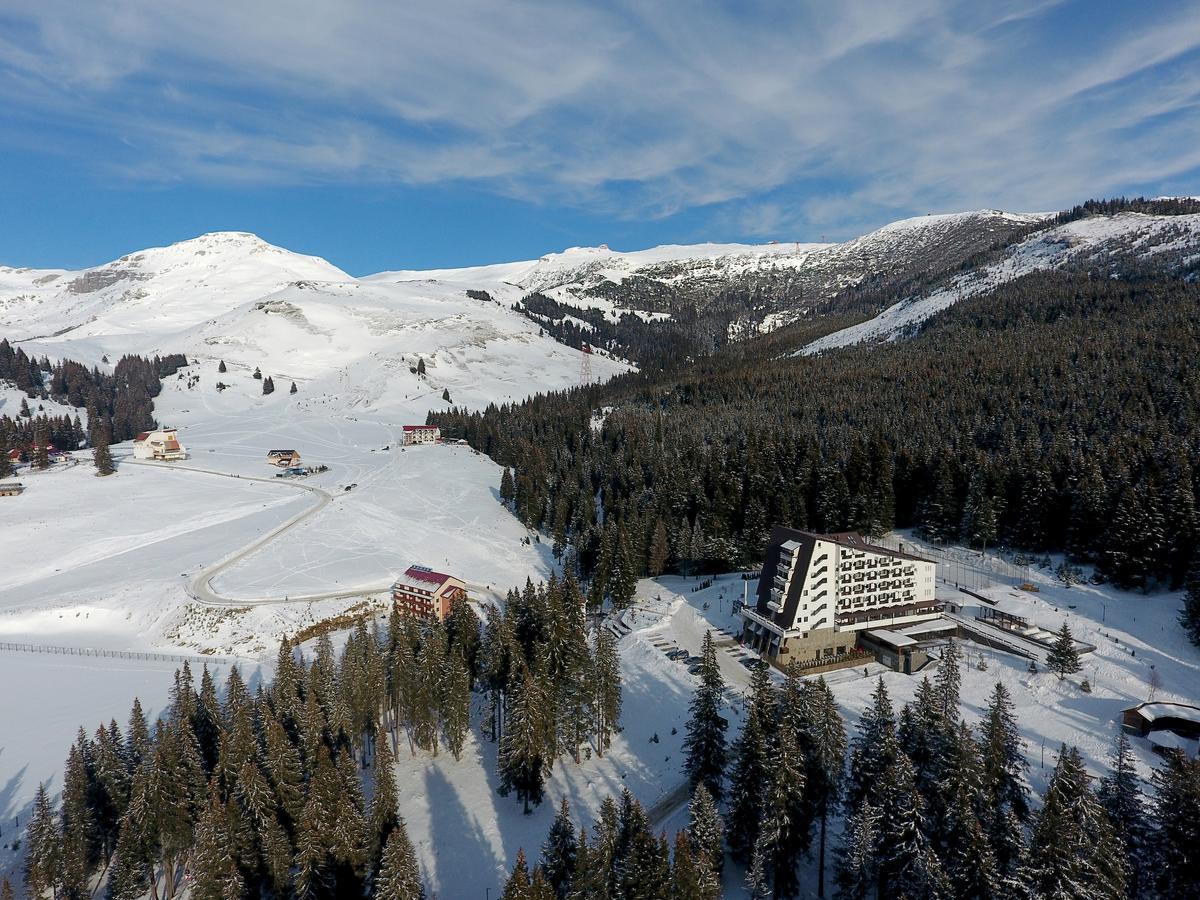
694,670
751,663
677,654
694,660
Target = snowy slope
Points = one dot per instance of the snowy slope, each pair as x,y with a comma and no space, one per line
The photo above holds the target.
1125,234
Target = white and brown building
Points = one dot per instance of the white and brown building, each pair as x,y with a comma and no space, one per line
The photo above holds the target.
817,591
422,434
425,594
284,459
162,444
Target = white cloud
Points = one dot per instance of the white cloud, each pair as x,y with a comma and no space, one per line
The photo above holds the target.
858,109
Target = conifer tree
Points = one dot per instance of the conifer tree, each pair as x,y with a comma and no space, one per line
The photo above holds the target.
215,874
1121,798
691,878
1189,616
523,746
1175,827
784,834
517,887
1072,849
456,702
560,853
754,757
101,455
221,367
706,831
873,750
821,735
908,866
384,815
507,490
292,389
656,560
949,681
399,875
705,741
268,386
606,689
857,868
43,856
1063,658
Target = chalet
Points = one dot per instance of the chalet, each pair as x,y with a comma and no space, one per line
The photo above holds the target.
162,444
284,459
11,488
1167,726
18,454
422,434
818,591
425,594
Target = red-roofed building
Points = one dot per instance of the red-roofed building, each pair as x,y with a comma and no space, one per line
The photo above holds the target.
422,434
162,444
425,594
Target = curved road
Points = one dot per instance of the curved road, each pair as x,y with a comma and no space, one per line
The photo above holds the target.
199,586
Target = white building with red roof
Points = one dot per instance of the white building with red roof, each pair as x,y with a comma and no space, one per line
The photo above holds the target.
422,434
425,594
163,444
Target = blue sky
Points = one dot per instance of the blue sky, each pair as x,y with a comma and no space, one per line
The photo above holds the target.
402,135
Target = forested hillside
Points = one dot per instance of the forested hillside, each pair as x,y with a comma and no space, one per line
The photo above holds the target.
1057,412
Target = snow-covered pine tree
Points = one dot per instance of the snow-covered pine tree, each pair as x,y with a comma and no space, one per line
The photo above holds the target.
1120,795
43,856
908,866
292,389
523,746
706,830
691,878
517,886
949,681
873,750
1189,616
705,741
1073,851
213,867
1063,658
384,814
1175,827
399,876
606,689
753,759
456,702
507,490
856,872
560,853
221,367
784,835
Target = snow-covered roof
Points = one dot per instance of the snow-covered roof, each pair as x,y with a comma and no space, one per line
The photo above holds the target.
1153,711
421,578
420,427
893,638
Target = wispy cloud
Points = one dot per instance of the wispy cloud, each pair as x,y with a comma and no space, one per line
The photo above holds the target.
787,116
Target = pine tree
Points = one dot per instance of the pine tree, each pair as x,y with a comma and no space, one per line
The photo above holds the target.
456,702
606,688
949,681
268,386
656,560
691,878
43,857
754,758
1063,658
507,490
421,367
908,866
446,395
221,367
518,887
784,836
1175,821
560,853
873,750
399,875
705,741
1121,798
215,874
292,389
857,868
523,747
1073,852
1189,616
810,710
706,831
257,373
6,467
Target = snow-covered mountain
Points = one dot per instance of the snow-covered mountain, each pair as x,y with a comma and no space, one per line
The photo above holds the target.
233,297
1117,240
